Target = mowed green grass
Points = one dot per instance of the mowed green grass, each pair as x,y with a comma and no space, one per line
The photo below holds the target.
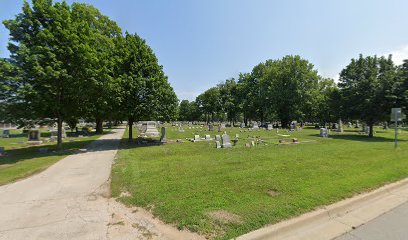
183,183
23,160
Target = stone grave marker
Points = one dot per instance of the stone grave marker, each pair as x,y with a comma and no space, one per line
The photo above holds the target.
340,126
208,137
269,127
163,135
255,125
217,144
226,141
217,138
324,132
210,127
242,125
6,133
2,152
197,138
34,137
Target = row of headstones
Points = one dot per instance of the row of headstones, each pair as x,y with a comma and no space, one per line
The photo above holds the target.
324,132
34,134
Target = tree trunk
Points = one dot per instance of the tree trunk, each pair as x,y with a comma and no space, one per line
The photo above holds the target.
99,125
371,134
59,132
130,123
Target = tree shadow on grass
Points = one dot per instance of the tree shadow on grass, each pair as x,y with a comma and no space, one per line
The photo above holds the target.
360,138
68,148
139,142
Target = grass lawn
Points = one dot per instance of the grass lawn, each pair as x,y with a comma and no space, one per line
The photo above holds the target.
23,160
223,193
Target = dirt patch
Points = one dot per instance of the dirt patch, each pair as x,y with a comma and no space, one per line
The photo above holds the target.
225,217
273,193
125,194
139,223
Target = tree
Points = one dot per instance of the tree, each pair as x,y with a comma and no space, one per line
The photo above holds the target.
97,34
143,89
209,103
368,86
229,99
328,107
185,111
291,85
44,45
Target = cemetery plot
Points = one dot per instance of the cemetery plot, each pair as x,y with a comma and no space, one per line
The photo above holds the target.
257,183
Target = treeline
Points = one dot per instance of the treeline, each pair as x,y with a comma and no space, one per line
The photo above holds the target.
290,89
70,61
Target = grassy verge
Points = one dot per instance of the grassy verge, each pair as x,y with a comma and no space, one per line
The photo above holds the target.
23,160
223,193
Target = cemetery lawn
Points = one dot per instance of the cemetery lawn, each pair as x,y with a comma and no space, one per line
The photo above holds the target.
224,193
23,160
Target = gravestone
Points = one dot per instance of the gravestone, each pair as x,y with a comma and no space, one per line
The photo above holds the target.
43,150
217,138
269,127
210,127
324,132
293,125
2,152
366,129
197,138
6,133
350,125
149,129
34,137
208,137
340,126
255,125
226,141
357,124
163,135
242,125
217,144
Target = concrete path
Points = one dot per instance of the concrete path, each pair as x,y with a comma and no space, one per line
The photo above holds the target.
391,226
66,201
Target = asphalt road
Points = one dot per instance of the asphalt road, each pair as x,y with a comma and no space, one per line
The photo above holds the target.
392,225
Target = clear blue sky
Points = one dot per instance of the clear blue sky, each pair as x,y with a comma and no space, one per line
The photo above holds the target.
201,43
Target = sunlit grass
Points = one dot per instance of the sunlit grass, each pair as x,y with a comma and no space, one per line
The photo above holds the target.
183,182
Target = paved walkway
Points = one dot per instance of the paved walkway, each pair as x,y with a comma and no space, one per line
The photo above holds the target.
393,225
67,201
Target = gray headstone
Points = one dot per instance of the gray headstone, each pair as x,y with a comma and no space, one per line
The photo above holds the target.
2,151
242,125
34,135
6,133
210,127
226,141
255,125
217,144
163,135
197,137
324,132
269,127
217,138
207,137
340,126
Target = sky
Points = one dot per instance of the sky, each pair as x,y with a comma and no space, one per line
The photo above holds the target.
203,42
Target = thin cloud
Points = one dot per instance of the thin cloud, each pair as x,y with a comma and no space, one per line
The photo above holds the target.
400,54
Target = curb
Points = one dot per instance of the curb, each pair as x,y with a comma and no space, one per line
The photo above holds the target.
336,219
